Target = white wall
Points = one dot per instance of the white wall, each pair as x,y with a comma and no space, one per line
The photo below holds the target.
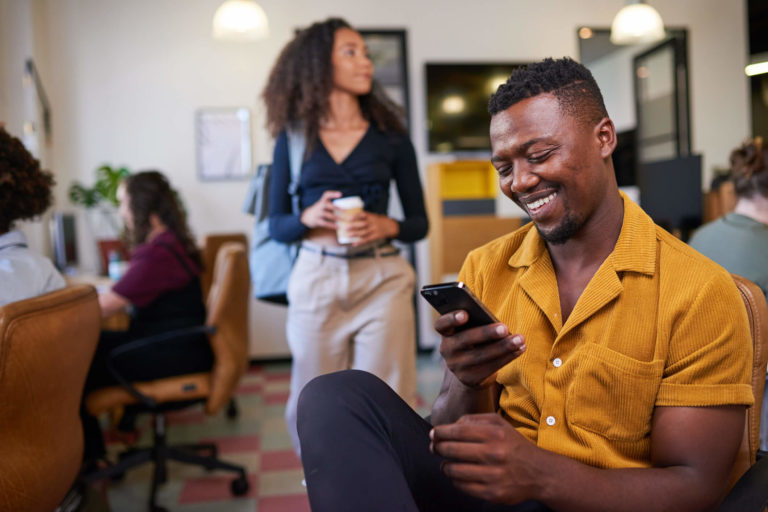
125,79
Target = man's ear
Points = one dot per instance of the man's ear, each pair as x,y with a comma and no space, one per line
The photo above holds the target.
606,135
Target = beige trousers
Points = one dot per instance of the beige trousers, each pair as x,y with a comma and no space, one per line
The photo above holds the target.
350,313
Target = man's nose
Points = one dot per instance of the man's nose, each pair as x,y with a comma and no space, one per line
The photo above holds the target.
523,179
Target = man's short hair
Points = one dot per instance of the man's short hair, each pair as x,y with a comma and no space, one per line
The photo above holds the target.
570,82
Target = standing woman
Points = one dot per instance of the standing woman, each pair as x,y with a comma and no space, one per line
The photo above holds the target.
350,306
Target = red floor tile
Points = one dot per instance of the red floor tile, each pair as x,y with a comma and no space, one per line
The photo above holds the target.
234,444
186,417
255,370
277,398
290,503
250,388
214,488
277,377
279,460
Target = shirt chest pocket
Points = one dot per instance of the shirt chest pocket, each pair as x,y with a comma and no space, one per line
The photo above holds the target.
613,395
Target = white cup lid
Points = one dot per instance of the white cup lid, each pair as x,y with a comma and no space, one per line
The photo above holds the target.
348,202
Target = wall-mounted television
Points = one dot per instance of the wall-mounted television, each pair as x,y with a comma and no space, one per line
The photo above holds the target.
457,104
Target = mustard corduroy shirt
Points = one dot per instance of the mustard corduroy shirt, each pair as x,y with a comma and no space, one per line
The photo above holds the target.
658,325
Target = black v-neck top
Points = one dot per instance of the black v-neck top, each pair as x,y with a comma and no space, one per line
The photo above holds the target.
367,172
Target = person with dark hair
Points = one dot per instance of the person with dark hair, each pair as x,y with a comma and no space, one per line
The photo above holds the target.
25,193
162,290
349,304
620,351
739,240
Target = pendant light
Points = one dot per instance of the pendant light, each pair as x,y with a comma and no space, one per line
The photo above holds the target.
637,23
240,20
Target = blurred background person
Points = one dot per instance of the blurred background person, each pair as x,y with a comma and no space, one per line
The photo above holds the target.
739,240
161,288
350,305
25,192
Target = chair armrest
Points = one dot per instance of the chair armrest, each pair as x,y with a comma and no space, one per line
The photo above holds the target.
750,492
137,344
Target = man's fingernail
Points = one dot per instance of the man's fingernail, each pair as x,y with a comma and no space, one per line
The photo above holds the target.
501,330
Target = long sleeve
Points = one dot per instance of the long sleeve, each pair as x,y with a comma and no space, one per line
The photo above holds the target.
406,173
284,225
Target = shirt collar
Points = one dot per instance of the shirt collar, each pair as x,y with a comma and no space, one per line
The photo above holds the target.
13,237
635,249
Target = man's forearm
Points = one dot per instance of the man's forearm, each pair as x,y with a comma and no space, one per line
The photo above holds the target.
456,400
570,486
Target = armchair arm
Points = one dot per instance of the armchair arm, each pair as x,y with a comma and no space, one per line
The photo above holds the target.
751,491
134,345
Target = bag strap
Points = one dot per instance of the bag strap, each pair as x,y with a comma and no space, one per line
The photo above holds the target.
296,147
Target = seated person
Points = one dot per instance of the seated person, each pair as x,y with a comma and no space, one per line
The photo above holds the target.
162,288
25,192
739,240
617,379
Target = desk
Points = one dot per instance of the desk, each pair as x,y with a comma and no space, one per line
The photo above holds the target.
116,322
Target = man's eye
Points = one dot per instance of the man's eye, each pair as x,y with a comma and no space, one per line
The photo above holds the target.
539,157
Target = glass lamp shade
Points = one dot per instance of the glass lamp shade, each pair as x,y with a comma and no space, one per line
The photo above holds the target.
637,24
240,20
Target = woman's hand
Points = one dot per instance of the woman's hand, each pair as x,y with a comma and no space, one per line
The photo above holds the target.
366,227
322,214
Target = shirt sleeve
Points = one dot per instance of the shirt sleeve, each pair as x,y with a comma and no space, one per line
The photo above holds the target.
406,173
710,351
284,225
146,277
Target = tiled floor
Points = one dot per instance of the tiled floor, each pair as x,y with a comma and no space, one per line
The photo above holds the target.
256,439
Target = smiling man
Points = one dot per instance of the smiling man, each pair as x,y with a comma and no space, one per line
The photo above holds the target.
621,352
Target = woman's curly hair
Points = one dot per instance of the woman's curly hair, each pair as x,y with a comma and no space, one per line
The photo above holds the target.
150,193
301,81
25,189
749,168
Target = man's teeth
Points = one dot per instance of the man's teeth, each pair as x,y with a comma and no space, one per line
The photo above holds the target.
541,202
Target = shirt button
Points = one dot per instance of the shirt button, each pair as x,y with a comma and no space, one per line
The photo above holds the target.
557,362
551,421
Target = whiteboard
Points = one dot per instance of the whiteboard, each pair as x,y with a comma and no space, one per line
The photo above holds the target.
223,143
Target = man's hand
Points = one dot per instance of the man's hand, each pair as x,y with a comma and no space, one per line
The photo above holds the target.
475,355
322,214
487,458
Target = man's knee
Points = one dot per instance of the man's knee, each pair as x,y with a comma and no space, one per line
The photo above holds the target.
341,391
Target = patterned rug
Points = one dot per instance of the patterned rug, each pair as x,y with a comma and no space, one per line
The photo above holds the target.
256,439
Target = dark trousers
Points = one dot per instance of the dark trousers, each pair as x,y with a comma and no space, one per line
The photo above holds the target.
364,448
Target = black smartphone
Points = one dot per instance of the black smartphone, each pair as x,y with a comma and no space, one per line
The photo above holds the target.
447,297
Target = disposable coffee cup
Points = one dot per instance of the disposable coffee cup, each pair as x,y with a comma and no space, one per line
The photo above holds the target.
350,206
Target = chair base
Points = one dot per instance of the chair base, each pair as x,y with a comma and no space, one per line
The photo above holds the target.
160,453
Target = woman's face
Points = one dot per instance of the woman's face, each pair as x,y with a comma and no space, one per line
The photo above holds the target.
352,69
124,210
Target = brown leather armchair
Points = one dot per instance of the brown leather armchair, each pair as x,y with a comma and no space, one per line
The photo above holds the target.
750,492
227,305
211,245
46,347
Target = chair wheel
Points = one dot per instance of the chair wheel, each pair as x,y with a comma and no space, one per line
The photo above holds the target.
232,410
240,486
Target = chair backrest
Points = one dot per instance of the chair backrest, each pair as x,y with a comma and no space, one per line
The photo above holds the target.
211,245
757,311
46,347
228,311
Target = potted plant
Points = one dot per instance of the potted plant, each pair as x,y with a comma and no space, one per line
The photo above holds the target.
100,202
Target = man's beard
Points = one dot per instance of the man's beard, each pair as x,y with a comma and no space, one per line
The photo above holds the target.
563,232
